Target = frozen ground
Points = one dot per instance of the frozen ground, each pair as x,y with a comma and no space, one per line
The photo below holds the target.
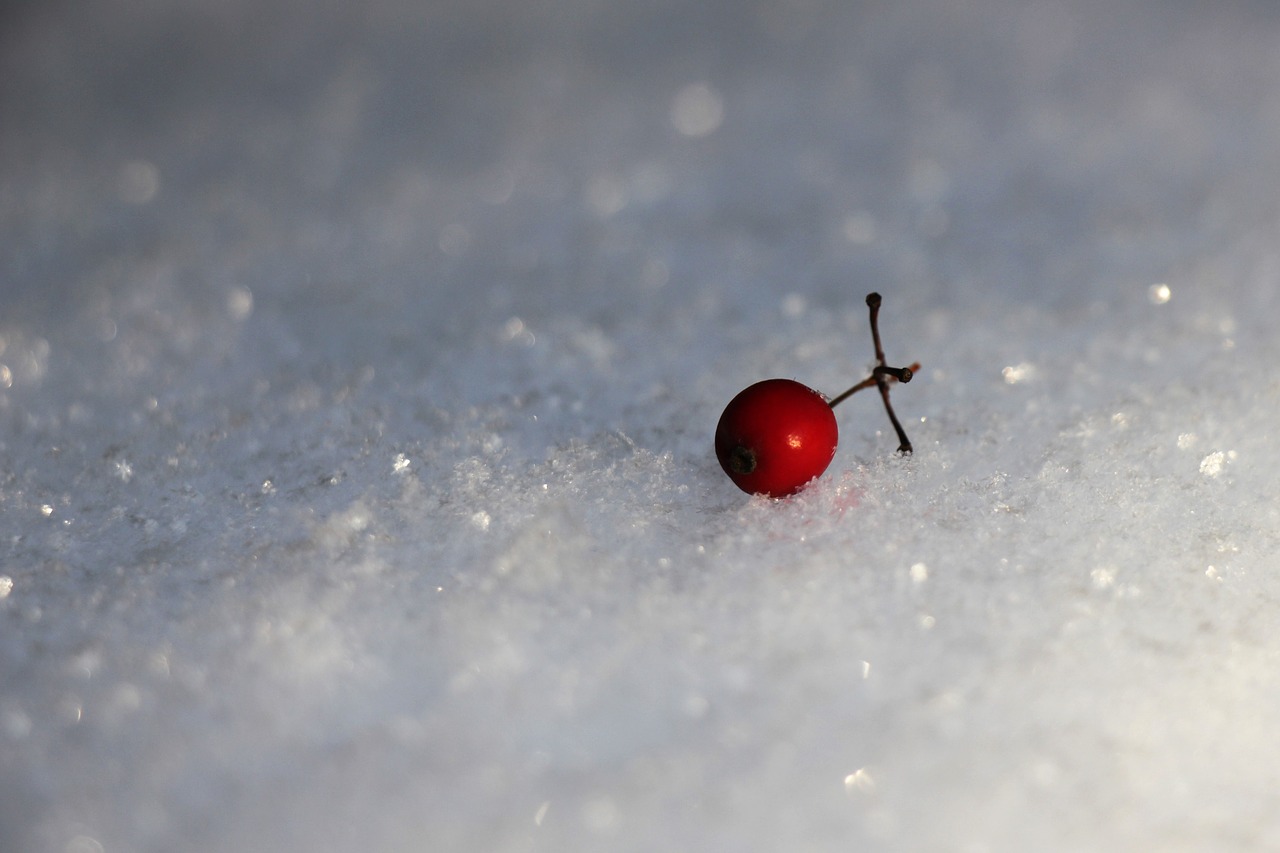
360,365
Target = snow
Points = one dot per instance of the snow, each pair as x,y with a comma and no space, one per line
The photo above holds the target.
358,370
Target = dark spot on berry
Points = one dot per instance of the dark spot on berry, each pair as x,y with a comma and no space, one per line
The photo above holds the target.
742,460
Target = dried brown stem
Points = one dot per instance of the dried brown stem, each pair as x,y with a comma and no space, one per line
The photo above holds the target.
882,376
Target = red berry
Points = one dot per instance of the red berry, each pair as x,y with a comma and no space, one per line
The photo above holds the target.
776,436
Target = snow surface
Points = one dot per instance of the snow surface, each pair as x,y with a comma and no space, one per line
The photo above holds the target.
359,368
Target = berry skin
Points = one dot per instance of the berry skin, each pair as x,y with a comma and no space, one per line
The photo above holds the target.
776,436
